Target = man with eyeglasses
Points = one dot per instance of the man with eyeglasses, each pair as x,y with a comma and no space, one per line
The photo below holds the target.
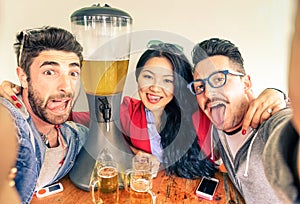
49,64
224,93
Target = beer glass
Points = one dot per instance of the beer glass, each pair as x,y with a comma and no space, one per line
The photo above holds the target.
139,183
105,183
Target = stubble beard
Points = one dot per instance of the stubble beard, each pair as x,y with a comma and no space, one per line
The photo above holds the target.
38,107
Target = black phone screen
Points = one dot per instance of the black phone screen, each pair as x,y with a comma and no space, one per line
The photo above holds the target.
207,186
53,188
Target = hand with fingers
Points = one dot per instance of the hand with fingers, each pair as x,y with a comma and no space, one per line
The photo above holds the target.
154,160
9,91
269,102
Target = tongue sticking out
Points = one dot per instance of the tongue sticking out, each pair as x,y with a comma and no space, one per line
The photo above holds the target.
218,114
56,105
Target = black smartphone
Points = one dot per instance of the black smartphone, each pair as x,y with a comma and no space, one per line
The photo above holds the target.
207,188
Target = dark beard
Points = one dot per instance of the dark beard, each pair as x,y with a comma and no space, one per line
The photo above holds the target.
38,109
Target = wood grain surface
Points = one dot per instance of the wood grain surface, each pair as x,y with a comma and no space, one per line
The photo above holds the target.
168,189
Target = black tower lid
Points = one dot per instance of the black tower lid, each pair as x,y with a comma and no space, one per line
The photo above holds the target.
97,10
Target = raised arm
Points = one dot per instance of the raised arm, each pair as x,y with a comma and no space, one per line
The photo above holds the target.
267,103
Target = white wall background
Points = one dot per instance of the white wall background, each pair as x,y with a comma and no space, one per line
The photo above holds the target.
261,29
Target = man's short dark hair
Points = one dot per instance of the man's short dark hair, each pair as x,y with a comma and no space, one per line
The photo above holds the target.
30,43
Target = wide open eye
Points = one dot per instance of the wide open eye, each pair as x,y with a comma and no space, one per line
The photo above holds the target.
198,86
49,72
75,74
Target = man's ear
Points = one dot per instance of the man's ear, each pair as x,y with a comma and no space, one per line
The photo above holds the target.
22,77
247,83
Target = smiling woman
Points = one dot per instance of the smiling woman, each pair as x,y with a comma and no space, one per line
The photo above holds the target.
160,123
155,85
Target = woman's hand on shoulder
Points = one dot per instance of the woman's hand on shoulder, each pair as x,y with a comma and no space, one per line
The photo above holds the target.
9,91
263,107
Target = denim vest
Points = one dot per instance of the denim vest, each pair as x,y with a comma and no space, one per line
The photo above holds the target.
32,150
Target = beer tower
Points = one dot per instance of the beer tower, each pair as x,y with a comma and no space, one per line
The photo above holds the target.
104,33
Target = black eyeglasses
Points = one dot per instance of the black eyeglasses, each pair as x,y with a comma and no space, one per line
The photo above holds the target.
215,80
167,47
26,34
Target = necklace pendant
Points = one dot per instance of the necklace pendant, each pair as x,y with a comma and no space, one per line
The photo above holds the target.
45,140
47,143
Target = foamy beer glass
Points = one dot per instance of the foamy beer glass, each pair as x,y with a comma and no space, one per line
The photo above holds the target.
139,184
138,180
105,183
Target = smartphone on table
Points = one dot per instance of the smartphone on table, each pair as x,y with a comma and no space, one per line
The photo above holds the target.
207,188
49,190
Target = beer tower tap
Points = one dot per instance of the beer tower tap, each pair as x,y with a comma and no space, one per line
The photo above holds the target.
105,109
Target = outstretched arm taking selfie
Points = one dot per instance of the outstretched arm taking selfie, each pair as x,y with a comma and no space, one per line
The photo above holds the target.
8,150
294,81
294,73
282,152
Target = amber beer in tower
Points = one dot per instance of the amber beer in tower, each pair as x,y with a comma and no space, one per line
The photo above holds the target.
104,78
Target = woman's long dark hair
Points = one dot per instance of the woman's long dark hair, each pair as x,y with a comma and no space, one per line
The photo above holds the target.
181,153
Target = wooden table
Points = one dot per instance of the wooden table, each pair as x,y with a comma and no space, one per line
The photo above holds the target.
168,189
